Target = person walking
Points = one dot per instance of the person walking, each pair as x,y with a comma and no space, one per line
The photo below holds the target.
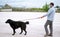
50,18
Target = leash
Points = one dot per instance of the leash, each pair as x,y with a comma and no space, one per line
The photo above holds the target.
32,18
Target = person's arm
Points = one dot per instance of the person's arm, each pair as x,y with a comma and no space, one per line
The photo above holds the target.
49,12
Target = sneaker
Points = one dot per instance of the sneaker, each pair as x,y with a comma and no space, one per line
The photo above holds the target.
50,35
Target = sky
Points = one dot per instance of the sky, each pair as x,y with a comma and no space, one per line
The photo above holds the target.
28,3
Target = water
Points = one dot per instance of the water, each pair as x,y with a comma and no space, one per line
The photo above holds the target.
34,29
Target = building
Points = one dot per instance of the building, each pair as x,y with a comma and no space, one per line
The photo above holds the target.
6,8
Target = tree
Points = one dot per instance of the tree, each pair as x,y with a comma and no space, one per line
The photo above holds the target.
6,6
46,7
57,6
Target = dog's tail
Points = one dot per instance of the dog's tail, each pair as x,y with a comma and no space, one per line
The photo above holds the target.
27,22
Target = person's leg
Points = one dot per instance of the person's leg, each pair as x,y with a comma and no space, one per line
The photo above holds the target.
51,28
45,26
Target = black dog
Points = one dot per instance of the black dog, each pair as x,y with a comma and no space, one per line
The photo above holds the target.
17,24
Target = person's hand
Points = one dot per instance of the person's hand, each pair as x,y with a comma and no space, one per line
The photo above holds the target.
42,17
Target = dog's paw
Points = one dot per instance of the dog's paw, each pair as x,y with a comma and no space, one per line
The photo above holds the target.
24,34
13,34
20,33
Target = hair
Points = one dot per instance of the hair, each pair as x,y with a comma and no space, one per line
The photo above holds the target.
52,3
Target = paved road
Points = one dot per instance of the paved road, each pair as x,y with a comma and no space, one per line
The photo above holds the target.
34,29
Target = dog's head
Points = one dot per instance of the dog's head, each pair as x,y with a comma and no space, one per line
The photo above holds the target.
8,21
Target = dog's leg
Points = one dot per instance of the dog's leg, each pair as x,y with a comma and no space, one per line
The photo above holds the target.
25,31
13,32
21,31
